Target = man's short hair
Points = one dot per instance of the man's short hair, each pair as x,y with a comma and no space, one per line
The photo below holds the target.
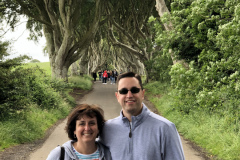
130,74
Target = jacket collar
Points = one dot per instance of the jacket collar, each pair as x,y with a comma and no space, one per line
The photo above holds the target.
136,120
68,148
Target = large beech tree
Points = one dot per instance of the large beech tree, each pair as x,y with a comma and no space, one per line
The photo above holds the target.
69,26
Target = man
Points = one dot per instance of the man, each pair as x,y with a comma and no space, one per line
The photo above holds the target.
138,133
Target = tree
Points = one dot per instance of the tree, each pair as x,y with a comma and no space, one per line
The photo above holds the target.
34,61
68,26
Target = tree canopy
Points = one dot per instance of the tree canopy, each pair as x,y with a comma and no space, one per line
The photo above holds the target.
70,27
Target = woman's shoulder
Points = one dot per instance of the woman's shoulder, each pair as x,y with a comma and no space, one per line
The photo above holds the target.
104,150
55,153
102,146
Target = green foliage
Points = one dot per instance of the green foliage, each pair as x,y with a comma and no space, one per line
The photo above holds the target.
31,126
35,61
45,66
20,87
158,66
31,101
206,34
84,82
3,49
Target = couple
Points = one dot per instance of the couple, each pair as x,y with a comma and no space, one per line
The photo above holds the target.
137,134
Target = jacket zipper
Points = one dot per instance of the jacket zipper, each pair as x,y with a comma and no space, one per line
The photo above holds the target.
130,132
130,139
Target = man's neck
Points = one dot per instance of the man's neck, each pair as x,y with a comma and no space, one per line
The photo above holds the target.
129,115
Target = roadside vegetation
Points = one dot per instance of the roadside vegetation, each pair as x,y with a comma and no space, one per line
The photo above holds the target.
201,96
31,101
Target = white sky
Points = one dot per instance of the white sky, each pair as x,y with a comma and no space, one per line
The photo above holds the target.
22,46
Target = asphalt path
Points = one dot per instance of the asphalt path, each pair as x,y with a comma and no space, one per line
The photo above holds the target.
104,96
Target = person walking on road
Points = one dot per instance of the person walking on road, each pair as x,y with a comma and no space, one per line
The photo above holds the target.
83,127
138,133
105,77
94,74
115,74
112,77
100,75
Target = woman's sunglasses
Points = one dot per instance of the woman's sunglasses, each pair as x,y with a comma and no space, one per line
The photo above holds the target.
125,90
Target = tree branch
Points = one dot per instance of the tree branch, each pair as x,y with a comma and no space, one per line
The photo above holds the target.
115,42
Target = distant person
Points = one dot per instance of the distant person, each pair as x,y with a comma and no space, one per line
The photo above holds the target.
100,75
108,72
138,133
94,74
115,75
105,76
112,77
83,127
128,68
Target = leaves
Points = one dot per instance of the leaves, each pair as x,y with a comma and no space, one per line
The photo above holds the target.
206,33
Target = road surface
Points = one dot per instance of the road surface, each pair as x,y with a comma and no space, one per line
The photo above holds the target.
103,95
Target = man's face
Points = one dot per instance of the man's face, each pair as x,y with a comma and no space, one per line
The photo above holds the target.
131,102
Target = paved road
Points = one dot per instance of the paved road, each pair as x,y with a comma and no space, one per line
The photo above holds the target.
103,95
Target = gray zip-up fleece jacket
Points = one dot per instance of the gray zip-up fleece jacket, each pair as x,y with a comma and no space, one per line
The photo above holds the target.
151,137
70,155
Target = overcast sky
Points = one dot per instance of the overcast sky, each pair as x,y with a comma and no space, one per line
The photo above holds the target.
22,46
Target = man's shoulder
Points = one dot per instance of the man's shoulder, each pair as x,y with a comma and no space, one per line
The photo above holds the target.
113,124
159,119
113,121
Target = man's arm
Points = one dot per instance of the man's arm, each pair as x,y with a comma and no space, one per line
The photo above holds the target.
172,145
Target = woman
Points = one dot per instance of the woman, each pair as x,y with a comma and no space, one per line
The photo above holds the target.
83,127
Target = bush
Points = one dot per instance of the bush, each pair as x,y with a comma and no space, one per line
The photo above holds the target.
84,82
21,87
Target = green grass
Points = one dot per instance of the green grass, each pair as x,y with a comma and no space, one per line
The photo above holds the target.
30,126
211,132
43,65
81,82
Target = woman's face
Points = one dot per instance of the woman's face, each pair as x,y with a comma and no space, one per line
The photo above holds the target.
86,129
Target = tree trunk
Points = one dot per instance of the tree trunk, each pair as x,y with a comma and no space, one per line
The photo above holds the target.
74,69
161,9
65,43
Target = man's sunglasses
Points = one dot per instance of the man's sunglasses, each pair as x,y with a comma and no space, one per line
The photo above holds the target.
125,90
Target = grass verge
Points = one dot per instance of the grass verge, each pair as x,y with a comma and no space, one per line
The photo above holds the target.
30,125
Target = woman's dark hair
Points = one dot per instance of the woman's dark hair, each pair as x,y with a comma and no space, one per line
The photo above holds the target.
78,112
130,74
